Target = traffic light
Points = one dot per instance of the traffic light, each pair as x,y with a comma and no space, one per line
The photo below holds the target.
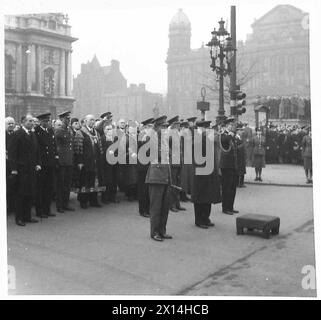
240,102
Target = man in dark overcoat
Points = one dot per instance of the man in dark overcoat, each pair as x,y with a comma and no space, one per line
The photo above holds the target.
10,179
206,186
24,158
49,160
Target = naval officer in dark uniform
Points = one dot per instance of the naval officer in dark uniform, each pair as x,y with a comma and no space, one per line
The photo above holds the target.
228,166
64,141
206,187
158,179
49,158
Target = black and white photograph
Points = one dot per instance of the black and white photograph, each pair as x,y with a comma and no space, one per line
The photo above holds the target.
160,149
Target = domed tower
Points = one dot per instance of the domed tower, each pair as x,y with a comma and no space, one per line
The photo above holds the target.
179,34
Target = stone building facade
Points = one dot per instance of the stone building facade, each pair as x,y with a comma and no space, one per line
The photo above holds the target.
91,85
134,103
98,89
38,74
273,61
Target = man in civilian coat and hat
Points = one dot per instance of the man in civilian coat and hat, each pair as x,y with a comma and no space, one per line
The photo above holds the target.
228,166
64,142
158,180
49,159
24,158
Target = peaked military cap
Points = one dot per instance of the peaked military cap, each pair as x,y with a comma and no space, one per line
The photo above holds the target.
173,120
107,114
160,120
203,123
184,124
64,114
147,121
229,119
191,119
44,116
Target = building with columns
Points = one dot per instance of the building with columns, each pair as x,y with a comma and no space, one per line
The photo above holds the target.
38,74
273,61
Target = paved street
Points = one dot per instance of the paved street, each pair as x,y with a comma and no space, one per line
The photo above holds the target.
108,251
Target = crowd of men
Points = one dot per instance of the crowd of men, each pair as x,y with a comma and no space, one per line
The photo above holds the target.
47,160
284,143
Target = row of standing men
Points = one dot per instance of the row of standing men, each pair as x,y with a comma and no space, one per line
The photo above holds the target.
43,161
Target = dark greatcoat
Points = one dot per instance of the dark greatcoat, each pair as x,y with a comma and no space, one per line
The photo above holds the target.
241,156
109,170
23,154
127,172
207,188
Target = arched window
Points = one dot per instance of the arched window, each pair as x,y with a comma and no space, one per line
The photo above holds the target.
9,69
49,82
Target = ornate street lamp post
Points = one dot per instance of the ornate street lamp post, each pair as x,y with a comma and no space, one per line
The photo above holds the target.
221,51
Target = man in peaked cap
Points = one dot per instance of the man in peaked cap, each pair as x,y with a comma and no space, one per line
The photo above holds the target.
175,153
106,119
142,187
228,166
158,180
64,142
49,158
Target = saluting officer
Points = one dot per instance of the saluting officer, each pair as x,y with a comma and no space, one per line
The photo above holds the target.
49,158
64,141
142,187
158,179
228,166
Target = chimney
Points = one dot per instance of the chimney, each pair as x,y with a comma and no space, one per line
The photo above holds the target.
114,65
142,86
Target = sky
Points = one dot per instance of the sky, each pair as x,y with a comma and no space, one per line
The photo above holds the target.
136,32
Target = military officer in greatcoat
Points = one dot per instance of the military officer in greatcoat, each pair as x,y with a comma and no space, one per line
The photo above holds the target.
24,157
64,142
49,160
228,166
158,180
